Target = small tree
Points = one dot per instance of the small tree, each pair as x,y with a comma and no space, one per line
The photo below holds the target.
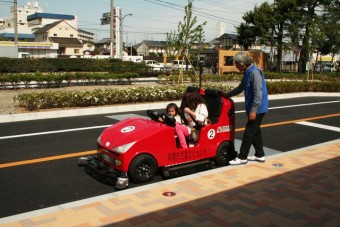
186,36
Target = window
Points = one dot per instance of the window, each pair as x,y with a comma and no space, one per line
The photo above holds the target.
71,35
55,34
76,51
228,60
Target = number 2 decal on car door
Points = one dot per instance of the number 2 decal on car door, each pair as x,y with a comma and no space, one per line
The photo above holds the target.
211,134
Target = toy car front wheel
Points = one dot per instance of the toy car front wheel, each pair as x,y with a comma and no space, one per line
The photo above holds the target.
225,153
143,168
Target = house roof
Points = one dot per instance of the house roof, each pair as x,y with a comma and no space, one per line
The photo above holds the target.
66,42
228,35
50,16
104,40
20,35
152,43
47,27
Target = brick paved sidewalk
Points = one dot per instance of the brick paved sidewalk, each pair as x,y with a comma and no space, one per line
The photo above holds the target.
295,188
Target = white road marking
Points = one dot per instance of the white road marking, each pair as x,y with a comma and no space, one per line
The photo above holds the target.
332,128
133,115
52,132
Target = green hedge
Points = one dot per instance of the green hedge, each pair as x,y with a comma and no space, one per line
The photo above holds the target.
25,65
15,80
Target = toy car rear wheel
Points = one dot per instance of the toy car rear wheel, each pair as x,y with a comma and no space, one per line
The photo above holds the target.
143,168
225,153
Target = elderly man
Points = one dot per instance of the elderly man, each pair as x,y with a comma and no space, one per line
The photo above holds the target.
256,105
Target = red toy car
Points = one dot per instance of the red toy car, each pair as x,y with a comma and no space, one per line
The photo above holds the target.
136,148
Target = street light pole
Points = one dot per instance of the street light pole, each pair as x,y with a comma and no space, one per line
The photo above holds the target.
111,29
121,22
121,37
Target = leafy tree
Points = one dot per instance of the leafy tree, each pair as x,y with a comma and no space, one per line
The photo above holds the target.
246,31
331,29
266,25
310,12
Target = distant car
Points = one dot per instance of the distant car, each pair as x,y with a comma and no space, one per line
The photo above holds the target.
155,65
138,148
326,67
179,64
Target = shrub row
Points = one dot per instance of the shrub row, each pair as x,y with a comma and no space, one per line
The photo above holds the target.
14,80
99,97
57,79
303,86
18,65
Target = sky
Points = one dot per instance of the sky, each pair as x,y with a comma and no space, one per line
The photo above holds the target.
151,19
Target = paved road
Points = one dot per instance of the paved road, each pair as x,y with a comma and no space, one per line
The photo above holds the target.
32,180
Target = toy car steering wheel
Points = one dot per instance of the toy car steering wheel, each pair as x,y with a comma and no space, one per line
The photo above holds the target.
153,115
168,120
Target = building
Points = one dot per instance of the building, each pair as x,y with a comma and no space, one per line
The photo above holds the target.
7,26
149,47
103,46
226,60
31,18
62,33
220,29
35,49
22,13
3,23
9,34
227,41
87,39
39,20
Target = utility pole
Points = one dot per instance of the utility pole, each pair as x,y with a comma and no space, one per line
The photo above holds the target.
111,28
16,22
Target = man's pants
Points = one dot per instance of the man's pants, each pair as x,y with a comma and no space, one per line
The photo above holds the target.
252,136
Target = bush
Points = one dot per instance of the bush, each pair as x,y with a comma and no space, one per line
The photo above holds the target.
99,97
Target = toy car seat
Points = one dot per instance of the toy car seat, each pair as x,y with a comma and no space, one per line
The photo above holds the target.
214,104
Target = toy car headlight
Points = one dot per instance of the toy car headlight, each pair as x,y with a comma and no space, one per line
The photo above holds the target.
124,148
99,141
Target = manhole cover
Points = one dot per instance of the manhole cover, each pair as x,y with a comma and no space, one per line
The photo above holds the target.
277,164
169,194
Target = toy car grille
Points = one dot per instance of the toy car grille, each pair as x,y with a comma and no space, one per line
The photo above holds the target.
107,158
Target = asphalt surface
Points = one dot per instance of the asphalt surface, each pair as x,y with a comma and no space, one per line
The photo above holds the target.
31,186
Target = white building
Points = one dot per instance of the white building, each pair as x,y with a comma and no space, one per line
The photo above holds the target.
220,29
22,12
24,32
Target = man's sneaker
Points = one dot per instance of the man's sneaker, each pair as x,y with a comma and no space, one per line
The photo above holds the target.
238,161
254,158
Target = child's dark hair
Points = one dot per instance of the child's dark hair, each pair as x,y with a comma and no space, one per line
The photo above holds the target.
172,105
193,99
